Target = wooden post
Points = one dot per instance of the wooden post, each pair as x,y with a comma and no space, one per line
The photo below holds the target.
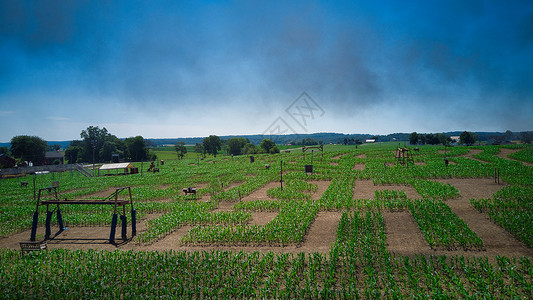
281,175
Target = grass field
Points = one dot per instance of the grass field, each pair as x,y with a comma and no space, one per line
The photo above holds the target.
359,226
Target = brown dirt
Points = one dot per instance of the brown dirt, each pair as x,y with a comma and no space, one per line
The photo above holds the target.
322,232
359,167
403,235
473,152
365,189
322,187
338,156
261,193
224,206
102,194
420,163
262,217
334,163
361,156
496,240
505,152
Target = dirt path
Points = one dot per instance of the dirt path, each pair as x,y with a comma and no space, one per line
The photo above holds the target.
262,217
497,241
261,193
473,152
322,233
365,189
403,235
505,152
322,187
338,156
359,167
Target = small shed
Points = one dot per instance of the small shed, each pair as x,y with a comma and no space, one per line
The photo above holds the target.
51,157
6,161
125,167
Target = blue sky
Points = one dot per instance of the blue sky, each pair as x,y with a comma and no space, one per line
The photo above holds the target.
195,68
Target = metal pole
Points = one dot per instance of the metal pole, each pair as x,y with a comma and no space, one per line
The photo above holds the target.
34,175
281,175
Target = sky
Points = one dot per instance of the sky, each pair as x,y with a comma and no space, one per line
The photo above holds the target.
168,69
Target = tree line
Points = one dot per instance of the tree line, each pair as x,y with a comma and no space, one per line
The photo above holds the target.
96,145
233,146
466,138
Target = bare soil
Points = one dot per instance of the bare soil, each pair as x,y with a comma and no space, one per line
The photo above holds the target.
473,152
338,156
361,155
403,235
496,240
261,193
365,189
262,217
322,232
505,152
359,167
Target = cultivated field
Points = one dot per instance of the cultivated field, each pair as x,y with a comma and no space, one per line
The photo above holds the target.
359,226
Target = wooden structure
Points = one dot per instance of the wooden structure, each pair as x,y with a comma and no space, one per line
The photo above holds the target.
50,197
189,190
320,148
403,156
30,246
127,168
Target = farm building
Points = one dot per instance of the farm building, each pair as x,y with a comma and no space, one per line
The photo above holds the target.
53,157
6,161
126,168
370,141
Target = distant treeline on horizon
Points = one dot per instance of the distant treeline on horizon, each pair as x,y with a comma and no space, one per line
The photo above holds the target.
325,138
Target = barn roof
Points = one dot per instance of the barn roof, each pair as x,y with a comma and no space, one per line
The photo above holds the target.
53,154
116,166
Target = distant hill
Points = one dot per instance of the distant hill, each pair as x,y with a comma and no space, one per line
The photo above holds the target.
324,137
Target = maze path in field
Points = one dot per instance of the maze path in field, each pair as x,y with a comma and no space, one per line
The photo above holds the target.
365,189
496,240
505,152
403,235
322,233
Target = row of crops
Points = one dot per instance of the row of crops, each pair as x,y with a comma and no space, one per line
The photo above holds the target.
358,264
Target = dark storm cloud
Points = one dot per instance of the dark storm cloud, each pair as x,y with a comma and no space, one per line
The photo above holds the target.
348,55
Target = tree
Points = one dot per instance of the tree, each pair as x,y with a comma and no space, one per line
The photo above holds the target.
432,139
180,149
413,138
250,149
73,152
54,147
212,144
3,150
93,140
199,148
509,135
137,149
308,142
526,137
421,139
443,139
467,138
29,148
236,145
266,145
